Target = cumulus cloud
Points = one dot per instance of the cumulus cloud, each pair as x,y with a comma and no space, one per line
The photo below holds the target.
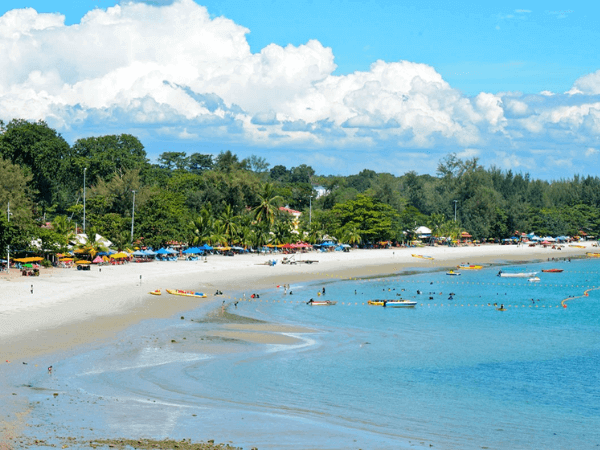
171,69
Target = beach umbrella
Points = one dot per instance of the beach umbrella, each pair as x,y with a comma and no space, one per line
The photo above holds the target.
139,253
97,259
162,251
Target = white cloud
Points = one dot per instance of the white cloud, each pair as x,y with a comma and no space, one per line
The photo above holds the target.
172,70
588,84
590,151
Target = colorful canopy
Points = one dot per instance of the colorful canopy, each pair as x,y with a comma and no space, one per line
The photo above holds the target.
28,259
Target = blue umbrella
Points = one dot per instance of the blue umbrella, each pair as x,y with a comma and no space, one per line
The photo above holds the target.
162,251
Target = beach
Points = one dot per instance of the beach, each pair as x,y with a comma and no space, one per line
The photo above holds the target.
69,308
108,298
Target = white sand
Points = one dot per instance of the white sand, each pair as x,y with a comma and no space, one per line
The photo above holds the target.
67,296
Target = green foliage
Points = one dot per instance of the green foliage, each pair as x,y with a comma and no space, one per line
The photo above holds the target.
162,218
43,153
371,218
201,199
107,156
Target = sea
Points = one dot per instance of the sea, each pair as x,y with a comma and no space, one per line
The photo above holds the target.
454,372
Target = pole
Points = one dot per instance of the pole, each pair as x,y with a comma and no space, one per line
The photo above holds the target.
84,169
310,211
132,218
455,201
8,245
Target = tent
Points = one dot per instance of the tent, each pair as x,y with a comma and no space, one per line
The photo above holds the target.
205,247
423,230
139,253
97,259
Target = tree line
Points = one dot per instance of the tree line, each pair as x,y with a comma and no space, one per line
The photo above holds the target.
222,199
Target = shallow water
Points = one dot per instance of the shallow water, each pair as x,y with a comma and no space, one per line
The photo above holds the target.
454,374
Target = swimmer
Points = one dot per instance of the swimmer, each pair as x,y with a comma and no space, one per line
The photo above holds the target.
50,369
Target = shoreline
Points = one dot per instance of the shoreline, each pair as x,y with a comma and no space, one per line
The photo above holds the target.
113,300
69,308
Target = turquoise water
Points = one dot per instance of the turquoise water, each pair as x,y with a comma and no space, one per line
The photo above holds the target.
452,374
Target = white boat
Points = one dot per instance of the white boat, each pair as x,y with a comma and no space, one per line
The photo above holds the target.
400,304
517,274
534,279
312,302
393,303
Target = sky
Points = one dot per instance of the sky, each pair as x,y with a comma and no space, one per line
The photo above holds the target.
340,85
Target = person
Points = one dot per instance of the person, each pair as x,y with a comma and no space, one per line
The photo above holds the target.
235,304
50,369
310,301
384,303
502,306
323,290
290,292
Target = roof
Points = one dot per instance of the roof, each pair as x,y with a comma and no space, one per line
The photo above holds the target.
289,210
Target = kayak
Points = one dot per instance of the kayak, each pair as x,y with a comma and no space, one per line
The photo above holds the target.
186,293
156,292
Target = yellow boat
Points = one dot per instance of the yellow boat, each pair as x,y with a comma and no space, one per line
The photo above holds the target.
186,293
422,256
156,292
593,255
576,246
469,267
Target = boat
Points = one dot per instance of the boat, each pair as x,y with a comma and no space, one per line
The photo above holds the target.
320,302
186,293
470,267
576,246
156,292
517,274
453,273
422,256
393,303
400,304
552,270
593,255
533,279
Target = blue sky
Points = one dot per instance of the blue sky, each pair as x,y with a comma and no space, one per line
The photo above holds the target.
339,85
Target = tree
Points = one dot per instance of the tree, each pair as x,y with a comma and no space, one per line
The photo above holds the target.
199,163
265,211
173,160
15,189
162,218
106,156
372,219
202,226
46,156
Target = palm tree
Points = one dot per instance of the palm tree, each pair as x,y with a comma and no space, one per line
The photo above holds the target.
260,237
218,233
282,233
93,245
315,233
229,221
351,235
63,227
202,227
267,206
